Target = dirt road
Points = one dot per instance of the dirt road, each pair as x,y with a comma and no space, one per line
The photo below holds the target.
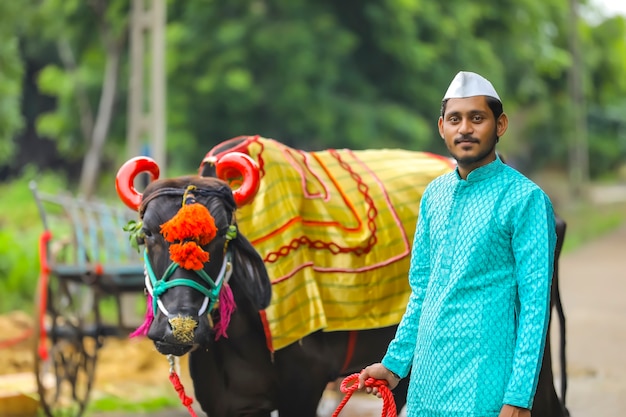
593,291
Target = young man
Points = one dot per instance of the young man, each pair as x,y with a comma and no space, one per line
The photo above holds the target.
474,329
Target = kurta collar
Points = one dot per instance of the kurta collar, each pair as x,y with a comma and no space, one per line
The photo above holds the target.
484,172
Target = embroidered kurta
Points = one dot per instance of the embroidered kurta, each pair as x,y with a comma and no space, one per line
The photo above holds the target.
474,329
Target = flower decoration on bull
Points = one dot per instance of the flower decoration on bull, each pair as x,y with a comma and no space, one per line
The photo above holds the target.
188,231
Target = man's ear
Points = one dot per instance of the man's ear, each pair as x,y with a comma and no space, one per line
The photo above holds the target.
440,125
502,124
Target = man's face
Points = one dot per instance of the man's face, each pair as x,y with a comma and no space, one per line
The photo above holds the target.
470,131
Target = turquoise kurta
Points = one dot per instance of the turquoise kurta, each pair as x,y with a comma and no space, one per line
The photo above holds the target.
481,268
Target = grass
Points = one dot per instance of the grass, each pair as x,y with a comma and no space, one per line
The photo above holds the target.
113,403
586,222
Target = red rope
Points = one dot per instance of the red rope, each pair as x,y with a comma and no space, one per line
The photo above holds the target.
389,405
185,400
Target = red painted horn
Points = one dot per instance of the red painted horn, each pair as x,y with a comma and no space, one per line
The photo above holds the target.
125,179
237,168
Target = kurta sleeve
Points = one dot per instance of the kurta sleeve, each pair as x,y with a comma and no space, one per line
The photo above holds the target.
400,352
533,243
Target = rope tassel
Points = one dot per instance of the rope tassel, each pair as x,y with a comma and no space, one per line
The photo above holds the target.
142,330
226,307
184,398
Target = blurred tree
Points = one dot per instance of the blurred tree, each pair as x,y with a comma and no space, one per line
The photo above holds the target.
11,72
350,73
90,40
277,68
360,73
605,53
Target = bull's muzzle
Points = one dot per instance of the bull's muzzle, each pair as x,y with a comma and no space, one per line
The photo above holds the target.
183,328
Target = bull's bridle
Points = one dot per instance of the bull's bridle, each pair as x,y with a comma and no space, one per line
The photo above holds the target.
158,286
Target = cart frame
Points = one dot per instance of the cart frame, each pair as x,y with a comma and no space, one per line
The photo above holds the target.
86,262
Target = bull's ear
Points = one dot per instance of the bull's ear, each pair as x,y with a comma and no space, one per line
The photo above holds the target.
207,166
251,273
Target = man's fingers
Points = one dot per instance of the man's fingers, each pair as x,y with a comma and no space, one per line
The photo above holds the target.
362,378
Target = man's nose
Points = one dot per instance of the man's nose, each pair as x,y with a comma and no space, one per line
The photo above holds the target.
465,127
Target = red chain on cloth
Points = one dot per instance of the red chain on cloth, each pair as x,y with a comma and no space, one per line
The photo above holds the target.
389,405
178,386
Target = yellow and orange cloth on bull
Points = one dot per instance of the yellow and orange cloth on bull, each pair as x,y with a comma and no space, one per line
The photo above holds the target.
335,230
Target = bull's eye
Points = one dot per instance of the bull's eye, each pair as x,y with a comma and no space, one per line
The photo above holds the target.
145,237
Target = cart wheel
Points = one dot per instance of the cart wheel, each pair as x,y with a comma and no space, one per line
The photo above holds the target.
71,322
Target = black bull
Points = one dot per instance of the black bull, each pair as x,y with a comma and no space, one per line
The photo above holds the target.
238,375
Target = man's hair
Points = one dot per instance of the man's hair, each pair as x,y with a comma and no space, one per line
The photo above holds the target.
494,104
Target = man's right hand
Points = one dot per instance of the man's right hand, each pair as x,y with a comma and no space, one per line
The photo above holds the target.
377,371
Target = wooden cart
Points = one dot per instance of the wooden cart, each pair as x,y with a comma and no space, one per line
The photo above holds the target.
88,266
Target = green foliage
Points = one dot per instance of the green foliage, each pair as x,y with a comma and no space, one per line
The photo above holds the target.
135,233
20,229
18,269
606,78
54,81
79,34
11,71
319,74
110,403
588,222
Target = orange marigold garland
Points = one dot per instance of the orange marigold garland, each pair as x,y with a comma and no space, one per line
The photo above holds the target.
191,228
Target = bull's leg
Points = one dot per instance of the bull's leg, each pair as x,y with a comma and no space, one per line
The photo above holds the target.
304,371
226,390
300,398
300,395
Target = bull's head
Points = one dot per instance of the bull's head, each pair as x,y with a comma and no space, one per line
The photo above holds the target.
192,247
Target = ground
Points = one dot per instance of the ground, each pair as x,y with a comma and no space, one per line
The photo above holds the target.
593,286
129,369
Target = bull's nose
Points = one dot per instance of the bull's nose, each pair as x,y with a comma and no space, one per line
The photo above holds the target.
183,328
170,349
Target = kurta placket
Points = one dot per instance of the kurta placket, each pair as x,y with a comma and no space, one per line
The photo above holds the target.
453,221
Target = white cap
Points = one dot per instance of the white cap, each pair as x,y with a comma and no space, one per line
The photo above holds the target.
469,84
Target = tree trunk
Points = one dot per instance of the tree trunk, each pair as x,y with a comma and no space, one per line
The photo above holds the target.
91,162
